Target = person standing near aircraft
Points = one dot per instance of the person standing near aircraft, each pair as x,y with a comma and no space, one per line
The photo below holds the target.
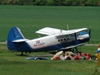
98,55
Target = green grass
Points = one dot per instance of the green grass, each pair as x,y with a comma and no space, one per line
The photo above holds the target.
11,64
31,18
47,67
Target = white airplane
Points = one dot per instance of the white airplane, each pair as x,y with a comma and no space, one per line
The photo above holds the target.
56,39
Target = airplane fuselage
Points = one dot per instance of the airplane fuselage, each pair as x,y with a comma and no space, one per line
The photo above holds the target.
73,38
54,42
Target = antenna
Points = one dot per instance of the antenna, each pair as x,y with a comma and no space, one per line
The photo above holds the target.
67,27
39,35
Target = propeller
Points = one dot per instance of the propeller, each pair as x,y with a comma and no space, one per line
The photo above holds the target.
90,35
90,32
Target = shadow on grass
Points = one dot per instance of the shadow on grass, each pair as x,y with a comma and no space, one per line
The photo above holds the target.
24,55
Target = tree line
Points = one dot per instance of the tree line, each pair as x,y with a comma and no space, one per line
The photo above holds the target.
51,2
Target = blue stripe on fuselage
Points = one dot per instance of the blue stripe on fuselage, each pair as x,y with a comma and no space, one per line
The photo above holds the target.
24,46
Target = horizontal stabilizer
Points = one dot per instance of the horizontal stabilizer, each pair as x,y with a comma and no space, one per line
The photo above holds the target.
20,40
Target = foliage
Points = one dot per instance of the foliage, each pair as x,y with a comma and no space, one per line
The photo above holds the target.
52,2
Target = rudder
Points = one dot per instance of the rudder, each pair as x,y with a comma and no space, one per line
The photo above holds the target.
14,34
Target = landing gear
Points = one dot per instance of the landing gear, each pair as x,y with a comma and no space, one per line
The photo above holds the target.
74,50
22,53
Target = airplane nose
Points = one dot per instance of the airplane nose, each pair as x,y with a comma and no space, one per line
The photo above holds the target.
90,32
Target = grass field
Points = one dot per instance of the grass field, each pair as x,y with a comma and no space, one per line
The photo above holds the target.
11,64
31,18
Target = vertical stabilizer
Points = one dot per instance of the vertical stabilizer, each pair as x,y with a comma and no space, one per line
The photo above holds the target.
14,34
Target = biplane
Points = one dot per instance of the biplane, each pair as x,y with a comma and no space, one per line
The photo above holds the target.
55,39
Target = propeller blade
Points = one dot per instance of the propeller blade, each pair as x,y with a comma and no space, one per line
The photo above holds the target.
90,32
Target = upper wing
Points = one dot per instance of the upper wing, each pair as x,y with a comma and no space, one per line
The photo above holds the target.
52,31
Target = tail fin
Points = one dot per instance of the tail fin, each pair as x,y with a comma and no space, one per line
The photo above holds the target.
14,34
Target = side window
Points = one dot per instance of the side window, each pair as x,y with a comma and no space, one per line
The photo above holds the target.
71,37
62,38
58,40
